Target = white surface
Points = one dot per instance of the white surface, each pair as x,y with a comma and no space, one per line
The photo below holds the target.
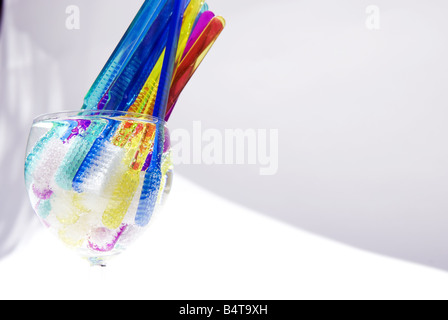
362,152
226,252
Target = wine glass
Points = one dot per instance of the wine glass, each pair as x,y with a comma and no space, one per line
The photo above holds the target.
95,178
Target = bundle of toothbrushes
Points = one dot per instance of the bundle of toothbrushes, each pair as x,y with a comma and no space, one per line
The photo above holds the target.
96,177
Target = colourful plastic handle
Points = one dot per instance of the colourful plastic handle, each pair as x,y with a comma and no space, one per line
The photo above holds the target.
189,19
193,59
203,9
124,51
144,103
203,21
120,94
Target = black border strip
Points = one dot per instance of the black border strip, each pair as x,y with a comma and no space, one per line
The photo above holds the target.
1,14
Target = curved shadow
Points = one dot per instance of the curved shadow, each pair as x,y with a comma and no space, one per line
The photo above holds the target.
360,114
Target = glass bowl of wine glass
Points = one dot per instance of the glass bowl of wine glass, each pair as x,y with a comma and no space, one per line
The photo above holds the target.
96,178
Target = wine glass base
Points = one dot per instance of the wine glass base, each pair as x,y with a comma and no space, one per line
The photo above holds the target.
99,261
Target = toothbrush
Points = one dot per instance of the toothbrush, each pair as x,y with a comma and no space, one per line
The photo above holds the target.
133,37
153,177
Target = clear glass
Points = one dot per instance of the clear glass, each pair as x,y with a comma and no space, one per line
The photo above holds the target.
95,178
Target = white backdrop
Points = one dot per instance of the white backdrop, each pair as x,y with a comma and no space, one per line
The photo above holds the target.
360,114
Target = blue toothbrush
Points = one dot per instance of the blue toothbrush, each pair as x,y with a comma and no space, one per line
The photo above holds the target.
124,51
153,177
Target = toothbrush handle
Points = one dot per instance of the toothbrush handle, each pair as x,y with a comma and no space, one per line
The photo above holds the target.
193,59
144,102
127,46
169,61
202,23
141,62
